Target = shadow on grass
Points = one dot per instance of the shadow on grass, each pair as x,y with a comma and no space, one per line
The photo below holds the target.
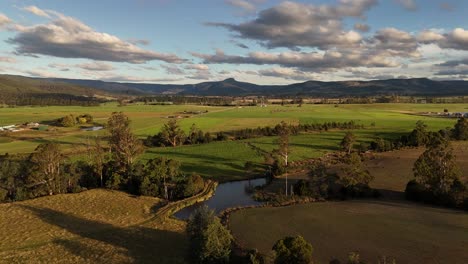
141,244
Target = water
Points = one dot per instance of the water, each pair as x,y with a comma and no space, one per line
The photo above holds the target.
229,194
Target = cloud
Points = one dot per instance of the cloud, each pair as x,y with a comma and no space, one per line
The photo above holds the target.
394,42
127,78
198,67
409,5
361,27
95,66
318,61
67,37
246,7
8,59
36,11
457,39
287,73
292,25
173,70
4,20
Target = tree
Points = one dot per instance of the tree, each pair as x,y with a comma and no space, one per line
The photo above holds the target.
436,168
283,151
348,142
10,178
124,145
98,157
460,131
193,185
172,133
67,121
210,241
47,160
418,136
293,250
354,172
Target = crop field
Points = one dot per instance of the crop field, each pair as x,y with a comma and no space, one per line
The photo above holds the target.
96,226
225,158
404,231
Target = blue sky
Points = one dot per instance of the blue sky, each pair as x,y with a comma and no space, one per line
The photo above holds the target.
260,41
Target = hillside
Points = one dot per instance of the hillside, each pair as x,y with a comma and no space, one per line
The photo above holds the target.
231,87
21,90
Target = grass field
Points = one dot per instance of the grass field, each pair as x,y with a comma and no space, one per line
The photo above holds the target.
225,160
96,226
410,233
393,170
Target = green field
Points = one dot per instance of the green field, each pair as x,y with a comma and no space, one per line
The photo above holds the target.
410,233
225,160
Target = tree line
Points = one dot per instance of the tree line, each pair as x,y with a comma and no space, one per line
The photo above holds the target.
172,135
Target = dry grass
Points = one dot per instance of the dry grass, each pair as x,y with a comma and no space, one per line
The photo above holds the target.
410,233
393,170
93,226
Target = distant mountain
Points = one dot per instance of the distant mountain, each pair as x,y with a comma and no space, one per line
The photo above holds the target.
231,87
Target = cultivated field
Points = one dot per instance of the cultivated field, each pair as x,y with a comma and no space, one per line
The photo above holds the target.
408,232
96,226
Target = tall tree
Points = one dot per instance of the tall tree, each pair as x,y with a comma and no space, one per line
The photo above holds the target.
436,168
210,241
47,160
124,145
283,142
97,158
354,172
293,250
460,131
418,137
10,177
348,141
172,133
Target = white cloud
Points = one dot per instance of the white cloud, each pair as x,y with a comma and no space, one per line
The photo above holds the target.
292,25
4,20
68,37
36,11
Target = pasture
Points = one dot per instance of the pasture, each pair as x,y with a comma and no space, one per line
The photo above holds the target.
225,160
96,226
407,232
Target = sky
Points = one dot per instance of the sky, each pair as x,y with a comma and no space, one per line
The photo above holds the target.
258,41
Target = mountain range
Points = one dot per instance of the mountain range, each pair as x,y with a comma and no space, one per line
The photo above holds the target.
11,84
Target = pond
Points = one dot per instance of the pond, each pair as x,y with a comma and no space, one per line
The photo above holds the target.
229,194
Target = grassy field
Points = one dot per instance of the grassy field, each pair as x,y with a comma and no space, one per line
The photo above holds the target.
225,160
96,226
410,233
393,170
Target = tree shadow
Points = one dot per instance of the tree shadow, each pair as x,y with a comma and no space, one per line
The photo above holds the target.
141,244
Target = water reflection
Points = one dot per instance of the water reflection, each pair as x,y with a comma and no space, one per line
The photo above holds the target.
229,194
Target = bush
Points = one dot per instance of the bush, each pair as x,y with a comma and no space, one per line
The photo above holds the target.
293,250
302,188
210,241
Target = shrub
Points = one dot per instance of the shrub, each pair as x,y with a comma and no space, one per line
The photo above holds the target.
293,250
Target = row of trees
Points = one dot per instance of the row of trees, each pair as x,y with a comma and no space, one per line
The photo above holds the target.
172,134
47,99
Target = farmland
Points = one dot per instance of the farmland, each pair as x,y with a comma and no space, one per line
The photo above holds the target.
379,120
407,232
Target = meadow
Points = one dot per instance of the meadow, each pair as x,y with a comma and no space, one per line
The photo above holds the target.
88,228
225,160
408,232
